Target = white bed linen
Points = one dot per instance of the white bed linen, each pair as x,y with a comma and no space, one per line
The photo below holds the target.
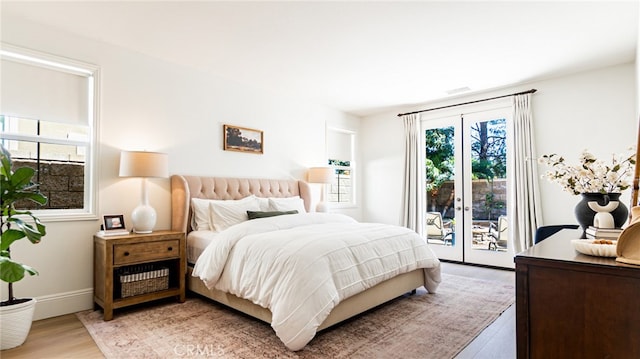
301,266
197,241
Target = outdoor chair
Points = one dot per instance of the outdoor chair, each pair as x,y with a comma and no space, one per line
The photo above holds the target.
436,228
498,235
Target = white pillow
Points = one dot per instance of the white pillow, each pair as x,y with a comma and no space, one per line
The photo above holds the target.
225,214
264,204
200,217
287,204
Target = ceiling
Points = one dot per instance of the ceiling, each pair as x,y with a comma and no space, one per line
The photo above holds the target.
360,57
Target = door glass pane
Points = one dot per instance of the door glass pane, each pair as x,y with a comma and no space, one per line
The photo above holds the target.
489,185
440,172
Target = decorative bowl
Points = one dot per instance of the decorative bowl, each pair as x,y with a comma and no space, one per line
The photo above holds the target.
588,247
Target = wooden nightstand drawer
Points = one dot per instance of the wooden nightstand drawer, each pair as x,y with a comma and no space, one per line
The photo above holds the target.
142,252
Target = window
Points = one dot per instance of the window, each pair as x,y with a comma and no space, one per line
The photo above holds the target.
47,122
341,188
341,149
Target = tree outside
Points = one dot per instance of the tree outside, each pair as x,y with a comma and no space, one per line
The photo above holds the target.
488,162
439,164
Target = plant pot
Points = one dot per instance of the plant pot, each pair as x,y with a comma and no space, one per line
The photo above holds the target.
16,323
585,215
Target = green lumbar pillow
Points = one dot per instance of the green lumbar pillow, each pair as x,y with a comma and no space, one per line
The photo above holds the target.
255,214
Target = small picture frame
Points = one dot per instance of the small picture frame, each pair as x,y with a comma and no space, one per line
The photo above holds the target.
114,222
243,139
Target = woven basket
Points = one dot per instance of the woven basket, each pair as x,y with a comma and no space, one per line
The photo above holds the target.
144,282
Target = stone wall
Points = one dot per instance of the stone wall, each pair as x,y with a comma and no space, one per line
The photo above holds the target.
61,182
489,199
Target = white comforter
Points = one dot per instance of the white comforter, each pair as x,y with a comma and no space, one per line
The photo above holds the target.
301,266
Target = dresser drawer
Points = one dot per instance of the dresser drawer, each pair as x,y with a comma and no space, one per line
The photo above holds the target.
140,252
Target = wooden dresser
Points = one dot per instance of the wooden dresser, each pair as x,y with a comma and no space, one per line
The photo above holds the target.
570,305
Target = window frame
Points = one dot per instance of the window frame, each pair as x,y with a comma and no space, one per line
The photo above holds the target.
352,168
92,73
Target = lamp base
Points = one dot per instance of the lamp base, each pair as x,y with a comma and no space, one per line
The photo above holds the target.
144,219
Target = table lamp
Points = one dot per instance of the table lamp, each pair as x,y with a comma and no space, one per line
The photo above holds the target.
323,175
145,165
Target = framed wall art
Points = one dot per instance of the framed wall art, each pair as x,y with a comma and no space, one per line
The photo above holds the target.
243,139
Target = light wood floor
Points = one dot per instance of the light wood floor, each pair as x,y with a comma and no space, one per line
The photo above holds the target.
58,337
497,341
66,337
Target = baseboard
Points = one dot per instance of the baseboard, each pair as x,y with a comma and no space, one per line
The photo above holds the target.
63,303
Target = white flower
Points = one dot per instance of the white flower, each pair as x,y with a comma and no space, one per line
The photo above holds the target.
590,175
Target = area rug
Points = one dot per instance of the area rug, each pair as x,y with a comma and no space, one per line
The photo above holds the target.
422,325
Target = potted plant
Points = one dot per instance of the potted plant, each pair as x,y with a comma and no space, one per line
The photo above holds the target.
599,183
16,314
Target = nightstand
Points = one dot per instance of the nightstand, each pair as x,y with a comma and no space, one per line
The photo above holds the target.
137,268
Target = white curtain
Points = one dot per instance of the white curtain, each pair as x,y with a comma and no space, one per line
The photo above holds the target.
526,215
414,189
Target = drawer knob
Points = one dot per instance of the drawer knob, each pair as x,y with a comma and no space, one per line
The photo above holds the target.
126,254
170,248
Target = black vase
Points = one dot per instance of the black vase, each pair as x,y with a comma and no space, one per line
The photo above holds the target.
584,214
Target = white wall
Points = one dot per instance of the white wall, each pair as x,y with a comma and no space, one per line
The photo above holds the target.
147,104
382,145
593,110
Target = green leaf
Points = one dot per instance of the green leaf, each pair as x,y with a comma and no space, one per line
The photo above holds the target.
9,236
12,271
22,176
32,196
29,269
33,234
5,160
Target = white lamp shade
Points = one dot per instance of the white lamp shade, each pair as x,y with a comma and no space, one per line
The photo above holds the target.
144,164
321,175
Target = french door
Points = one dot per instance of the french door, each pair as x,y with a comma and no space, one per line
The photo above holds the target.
467,172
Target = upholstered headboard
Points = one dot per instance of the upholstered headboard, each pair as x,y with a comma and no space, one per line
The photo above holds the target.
183,188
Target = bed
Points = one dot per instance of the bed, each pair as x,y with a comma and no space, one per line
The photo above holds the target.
184,189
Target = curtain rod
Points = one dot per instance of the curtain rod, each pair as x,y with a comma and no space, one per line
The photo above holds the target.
467,103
